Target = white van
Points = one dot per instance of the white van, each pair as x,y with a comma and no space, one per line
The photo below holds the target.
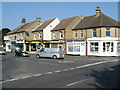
50,52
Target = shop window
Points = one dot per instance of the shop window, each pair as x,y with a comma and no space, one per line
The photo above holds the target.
73,47
108,46
81,34
104,47
107,32
33,47
54,46
94,33
118,47
94,47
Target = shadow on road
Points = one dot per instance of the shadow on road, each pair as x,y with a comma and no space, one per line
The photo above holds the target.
109,78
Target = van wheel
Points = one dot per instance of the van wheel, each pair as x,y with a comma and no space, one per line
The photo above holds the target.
54,57
38,56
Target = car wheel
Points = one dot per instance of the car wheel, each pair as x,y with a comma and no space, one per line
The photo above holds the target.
54,57
38,56
22,55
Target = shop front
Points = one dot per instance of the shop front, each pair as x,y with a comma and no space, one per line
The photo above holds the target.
103,46
76,47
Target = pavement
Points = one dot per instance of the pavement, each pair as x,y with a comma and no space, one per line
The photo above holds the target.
71,72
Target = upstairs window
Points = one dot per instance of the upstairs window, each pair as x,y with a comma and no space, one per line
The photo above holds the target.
82,34
94,33
34,36
76,34
107,32
15,37
40,35
61,35
54,35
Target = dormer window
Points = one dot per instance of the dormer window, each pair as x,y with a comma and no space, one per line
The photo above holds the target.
107,32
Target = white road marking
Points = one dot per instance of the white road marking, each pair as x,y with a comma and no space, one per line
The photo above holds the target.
26,77
57,71
37,75
48,73
61,71
72,68
65,70
76,82
95,64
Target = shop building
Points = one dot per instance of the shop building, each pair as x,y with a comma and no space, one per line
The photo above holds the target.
63,33
101,33
42,34
20,35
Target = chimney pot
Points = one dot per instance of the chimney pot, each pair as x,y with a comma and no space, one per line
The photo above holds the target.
38,19
23,21
98,11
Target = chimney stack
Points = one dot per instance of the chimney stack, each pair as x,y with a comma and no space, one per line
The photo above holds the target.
23,21
38,19
98,11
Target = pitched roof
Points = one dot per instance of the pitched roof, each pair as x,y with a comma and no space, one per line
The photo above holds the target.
24,27
64,23
44,25
96,21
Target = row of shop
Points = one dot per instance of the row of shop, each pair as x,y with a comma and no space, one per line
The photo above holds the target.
91,46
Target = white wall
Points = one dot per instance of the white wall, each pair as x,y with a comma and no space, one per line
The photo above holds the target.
47,30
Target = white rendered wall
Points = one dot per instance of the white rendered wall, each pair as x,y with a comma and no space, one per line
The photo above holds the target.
47,30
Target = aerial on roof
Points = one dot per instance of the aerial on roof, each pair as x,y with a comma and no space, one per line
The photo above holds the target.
98,20
64,23
44,25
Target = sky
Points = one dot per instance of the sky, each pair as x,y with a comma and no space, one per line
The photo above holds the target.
13,12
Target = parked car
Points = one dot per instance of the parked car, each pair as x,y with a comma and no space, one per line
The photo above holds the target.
50,52
2,52
20,53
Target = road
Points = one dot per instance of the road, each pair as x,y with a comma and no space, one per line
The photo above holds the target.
71,72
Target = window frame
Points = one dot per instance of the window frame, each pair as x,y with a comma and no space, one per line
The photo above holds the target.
75,33
108,30
82,32
94,32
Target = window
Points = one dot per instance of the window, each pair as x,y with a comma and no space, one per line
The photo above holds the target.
34,36
107,32
40,35
15,37
108,47
81,34
118,47
94,33
94,47
61,35
54,35
76,34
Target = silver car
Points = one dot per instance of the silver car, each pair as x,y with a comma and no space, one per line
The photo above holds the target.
2,52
